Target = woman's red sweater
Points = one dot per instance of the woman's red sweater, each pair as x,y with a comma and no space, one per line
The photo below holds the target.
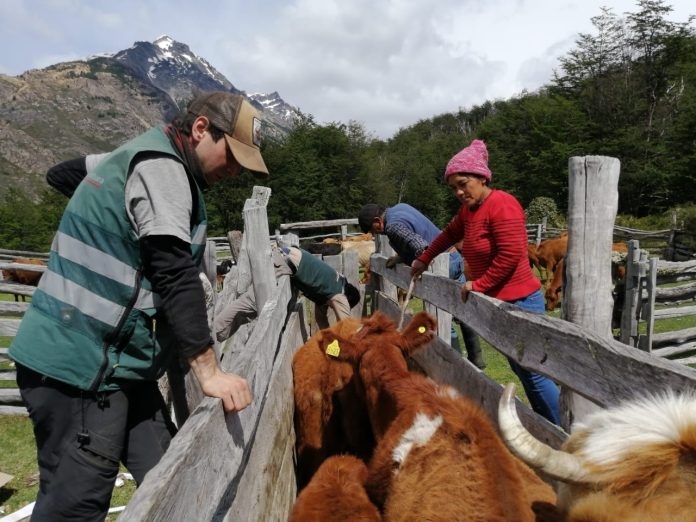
494,247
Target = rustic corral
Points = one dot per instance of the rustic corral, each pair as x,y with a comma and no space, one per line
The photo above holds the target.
244,463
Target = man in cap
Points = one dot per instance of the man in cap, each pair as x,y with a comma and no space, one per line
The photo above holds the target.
126,253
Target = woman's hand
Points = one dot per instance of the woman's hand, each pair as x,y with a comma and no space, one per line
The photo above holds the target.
417,268
468,287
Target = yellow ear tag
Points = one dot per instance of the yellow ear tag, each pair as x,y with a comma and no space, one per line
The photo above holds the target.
333,349
421,329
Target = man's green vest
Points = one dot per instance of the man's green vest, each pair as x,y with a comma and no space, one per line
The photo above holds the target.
317,280
90,322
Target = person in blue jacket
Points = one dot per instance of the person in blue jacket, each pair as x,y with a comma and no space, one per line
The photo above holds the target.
409,233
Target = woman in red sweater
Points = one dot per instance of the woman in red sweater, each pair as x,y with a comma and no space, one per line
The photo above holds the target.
492,225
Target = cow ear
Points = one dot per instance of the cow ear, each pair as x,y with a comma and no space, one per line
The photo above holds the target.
419,332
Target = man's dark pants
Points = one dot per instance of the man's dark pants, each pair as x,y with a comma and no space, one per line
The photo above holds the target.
81,437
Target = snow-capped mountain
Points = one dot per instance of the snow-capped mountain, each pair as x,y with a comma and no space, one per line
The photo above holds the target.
172,67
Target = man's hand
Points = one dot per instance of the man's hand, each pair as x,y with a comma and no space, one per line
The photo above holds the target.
417,268
393,261
232,389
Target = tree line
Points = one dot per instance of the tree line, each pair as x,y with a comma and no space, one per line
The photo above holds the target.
626,90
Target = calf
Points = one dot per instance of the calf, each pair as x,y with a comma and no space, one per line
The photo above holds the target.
336,492
330,415
438,456
633,462
553,291
25,277
550,252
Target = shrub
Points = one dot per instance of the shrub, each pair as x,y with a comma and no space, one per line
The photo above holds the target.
541,207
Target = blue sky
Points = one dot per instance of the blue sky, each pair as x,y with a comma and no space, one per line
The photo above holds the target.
384,63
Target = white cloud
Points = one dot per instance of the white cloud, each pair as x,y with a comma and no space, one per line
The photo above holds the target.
386,64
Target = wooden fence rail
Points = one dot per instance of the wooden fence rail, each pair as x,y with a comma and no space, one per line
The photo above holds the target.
642,297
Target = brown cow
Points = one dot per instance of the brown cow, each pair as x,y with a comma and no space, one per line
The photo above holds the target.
336,493
330,415
534,258
25,277
635,462
553,291
618,271
550,252
438,456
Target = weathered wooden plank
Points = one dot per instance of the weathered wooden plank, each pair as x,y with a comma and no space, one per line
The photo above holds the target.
22,266
674,337
3,355
258,245
446,366
9,327
212,448
668,313
669,351
675,294
10,397
261,495
17,289
440,266
14,410
8,375
24,253
602,370
666,268
300,225
9,308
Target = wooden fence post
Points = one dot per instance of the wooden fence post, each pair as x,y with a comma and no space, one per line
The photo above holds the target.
258,245
587,300
440,266
632,294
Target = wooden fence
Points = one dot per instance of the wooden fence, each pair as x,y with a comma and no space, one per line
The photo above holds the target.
240,466
647,299
244,462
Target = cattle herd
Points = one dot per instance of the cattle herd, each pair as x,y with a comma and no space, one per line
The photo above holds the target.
377,440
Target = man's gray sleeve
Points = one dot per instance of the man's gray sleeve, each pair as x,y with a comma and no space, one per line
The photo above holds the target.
158,199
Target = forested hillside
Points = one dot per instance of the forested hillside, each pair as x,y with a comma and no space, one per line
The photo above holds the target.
626,90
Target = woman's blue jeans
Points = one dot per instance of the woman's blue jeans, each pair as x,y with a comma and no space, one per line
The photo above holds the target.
542,392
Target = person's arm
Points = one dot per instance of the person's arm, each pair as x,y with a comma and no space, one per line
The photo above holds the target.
159,203
232,389
443,242
407,244
65,177
168,264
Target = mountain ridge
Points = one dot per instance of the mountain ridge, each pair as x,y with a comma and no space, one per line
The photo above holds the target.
93,105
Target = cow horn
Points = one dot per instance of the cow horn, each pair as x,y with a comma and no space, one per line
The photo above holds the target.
557,464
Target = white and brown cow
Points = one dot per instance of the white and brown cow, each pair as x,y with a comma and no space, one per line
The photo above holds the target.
635,462
438,456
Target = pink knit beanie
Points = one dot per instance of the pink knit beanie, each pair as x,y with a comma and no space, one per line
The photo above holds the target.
470,160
